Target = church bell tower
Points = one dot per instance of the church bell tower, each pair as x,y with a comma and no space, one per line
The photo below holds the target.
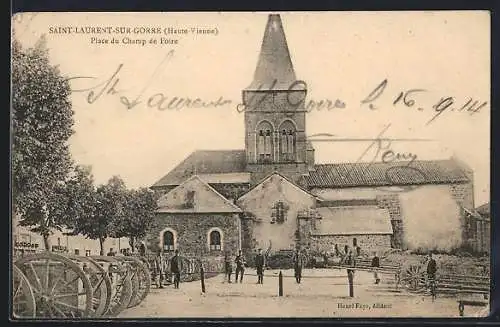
275,116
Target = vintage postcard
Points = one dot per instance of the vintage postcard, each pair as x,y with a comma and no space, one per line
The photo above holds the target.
238,164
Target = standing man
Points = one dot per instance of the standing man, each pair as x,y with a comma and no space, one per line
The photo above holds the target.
431,269
298,263
375,266
259,264
142,249
111,253
175,268
240,266
228,267
159,269
351,262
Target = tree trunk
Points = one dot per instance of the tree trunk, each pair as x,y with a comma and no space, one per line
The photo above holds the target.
46,242
101,243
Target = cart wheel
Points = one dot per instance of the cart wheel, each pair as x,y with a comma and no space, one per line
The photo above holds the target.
23,299
141,280
61,288
413,278
121,283
101,283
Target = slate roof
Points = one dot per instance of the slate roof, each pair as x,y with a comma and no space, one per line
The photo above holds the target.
204,162
204,199
353,220
484,209
227,178
384,174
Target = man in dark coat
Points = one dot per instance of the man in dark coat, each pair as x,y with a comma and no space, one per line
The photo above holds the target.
142,249
375,266
351,262
175,268
298,263
240,266
259,264
228,266
431,268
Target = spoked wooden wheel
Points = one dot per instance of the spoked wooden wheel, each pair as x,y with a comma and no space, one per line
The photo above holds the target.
60,287
121,283
101,283
140,278
413,278
23,299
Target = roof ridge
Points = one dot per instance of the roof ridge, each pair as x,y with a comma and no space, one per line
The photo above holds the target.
381,162
217,150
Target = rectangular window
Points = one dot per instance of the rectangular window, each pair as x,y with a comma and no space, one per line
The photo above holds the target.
215,247
87,253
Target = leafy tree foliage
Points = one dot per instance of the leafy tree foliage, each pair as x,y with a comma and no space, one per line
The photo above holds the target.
138,215
42,120
95,219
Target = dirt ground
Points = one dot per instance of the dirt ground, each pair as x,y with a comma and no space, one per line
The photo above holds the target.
322,293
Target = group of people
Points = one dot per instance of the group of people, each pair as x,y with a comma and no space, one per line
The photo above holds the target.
298,263
160,267
240,266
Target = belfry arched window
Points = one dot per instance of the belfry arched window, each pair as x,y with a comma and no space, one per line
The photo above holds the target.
287,141
265,144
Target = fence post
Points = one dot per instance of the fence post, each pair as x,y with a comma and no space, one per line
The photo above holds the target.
280,284
350,279
202,278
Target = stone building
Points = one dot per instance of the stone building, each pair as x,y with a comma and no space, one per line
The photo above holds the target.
197,219
273,195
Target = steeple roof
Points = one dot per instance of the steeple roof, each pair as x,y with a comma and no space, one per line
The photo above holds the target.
274,67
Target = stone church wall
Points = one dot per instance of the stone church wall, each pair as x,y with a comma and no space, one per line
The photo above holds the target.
191,232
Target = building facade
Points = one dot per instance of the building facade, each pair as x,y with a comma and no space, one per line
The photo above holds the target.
25,242
282,198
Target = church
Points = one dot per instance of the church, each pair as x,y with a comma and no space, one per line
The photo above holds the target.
272,194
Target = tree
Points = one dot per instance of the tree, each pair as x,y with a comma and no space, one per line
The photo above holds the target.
80,198
109,203
42,120
138,215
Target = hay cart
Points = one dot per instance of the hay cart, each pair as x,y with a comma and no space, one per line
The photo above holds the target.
47,285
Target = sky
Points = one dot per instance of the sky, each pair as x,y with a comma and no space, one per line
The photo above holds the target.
340,55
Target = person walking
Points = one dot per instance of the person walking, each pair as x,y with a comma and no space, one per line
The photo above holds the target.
228,266
240,267
175,268
375,266
259,264
298,263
